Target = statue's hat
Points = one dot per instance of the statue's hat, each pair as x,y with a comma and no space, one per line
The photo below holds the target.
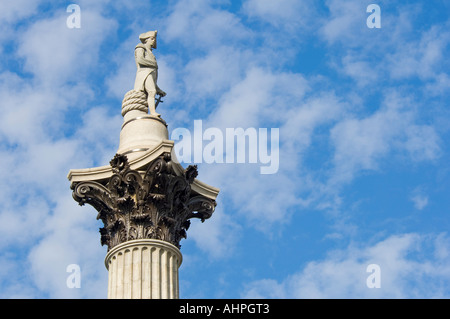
146,35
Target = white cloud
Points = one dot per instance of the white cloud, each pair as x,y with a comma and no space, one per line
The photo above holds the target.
301,122
100,133
420,202
40,218
250,91
361,143
424,57
423,142
55,54
404,272
362,71
419,198
11,11
346,22
20,223
392,54
265,99
122,78
291,15
198,25
262,97
70,238
214,73
218,235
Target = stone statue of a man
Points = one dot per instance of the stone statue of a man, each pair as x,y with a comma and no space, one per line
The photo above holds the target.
147,69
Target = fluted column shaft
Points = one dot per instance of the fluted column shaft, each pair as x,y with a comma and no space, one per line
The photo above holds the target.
143,269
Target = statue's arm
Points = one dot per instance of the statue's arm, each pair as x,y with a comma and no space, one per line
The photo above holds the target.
140,59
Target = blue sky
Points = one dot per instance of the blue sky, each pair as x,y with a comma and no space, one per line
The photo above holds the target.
363,117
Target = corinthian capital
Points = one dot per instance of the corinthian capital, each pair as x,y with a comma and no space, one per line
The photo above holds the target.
155,203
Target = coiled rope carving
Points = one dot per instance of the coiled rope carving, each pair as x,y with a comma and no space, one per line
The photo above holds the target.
134,100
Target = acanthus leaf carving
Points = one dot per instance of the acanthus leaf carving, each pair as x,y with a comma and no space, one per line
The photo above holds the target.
156,203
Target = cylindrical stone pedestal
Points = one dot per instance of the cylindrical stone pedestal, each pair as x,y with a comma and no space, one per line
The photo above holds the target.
143,269
141,132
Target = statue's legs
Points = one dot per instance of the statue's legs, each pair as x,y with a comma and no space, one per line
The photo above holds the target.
150,88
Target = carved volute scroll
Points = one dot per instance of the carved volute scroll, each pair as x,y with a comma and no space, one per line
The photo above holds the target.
156,203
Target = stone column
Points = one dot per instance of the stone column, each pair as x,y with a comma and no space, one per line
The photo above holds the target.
145,215
140,131
143,269
144,198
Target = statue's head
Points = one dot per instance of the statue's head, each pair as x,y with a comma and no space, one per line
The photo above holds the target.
149,36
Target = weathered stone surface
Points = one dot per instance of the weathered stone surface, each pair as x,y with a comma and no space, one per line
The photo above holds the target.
147,70
156,203
143,269
144,198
